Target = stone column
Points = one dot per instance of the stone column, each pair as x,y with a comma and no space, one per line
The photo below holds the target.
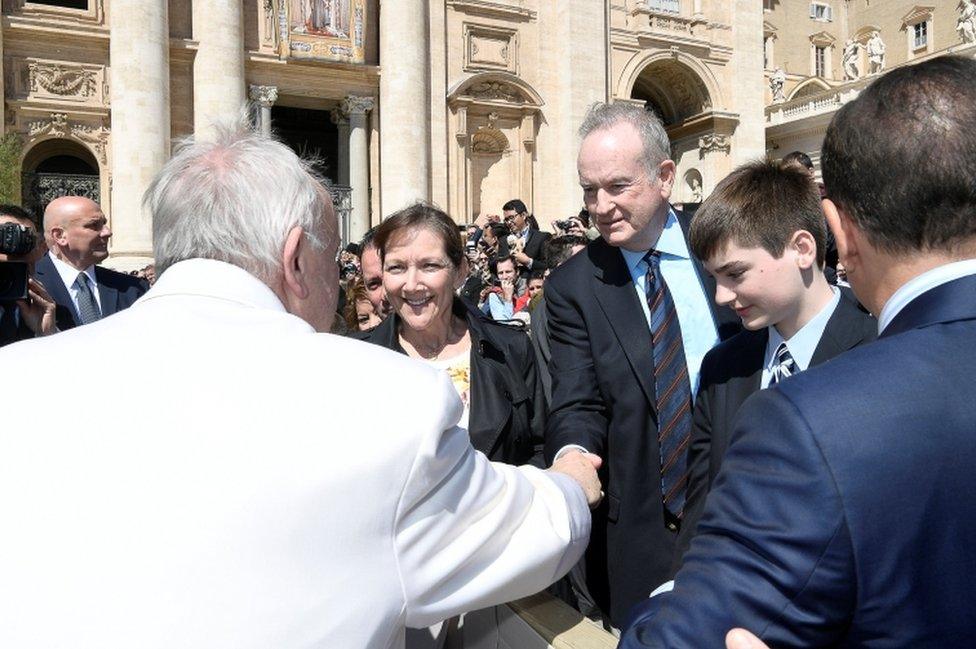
264,97
405,109
218,68
139,54
341,120
356,108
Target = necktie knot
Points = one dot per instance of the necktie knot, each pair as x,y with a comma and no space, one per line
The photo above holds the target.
785,365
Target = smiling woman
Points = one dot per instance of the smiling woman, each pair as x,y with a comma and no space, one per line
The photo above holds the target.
492,366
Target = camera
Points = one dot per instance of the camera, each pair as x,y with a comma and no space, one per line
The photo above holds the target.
565,224
15,239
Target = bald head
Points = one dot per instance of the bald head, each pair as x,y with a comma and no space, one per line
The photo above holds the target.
76,231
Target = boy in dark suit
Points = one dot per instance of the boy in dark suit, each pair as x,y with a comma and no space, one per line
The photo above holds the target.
762,235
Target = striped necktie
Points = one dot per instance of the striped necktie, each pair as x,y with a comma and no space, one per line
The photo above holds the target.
785,365
87,306
671,386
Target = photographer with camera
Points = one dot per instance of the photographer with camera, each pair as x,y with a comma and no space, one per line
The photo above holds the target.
26,309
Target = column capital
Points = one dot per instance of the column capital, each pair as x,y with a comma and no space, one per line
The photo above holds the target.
264,95
339,116
357,105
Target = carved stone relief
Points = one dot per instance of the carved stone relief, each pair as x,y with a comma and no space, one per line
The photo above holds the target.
495,90
40,80
489,139
714,142
490,48
58,125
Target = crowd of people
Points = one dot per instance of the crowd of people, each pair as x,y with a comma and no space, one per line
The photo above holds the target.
754,414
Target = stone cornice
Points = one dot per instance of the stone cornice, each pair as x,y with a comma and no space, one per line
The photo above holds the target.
492,9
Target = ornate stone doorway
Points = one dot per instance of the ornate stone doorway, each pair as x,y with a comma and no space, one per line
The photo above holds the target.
59,168
701,136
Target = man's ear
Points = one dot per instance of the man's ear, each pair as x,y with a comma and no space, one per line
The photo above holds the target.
665,173
844,235
57,235
294,280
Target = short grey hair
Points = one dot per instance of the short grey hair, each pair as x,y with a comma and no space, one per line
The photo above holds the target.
234,199
657,146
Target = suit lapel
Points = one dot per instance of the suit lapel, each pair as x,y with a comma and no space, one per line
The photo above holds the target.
108,295
614,290
845,330
48,275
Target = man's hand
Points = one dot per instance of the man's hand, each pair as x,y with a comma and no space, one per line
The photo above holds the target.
582,467
508,290
481,221
522,258
38,311
742,639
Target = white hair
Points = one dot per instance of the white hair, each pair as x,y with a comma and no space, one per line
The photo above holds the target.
656,145
234,199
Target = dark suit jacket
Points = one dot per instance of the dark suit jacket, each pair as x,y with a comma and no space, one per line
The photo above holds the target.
845,511
116,291
533,247
603,399
731,372
539,326
12,327
507,416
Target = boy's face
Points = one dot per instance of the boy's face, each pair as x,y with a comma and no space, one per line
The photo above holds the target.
763,290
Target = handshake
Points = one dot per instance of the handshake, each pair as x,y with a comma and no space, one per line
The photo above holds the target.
581,467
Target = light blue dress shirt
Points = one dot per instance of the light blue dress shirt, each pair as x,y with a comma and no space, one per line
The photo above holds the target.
698,331
802,344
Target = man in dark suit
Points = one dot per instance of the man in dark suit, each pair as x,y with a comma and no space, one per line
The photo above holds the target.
845,510
77,235
516,216
615,393
762,234
34,316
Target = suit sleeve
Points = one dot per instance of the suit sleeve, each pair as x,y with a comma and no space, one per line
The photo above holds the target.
533,381
773,552
464,524
577,412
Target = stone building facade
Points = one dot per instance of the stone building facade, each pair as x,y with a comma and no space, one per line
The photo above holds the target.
465,103
819,54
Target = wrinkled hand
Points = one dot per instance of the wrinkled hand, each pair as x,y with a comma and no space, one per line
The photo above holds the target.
582,467
38,312
742,639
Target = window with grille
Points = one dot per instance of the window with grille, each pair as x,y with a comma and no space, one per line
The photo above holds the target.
820,61
666,6
821,12
921,35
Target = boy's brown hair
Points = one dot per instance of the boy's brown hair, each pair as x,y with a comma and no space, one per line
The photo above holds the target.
760,204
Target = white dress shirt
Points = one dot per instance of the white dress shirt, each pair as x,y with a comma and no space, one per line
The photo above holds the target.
698,331
69,275
922,284
802,344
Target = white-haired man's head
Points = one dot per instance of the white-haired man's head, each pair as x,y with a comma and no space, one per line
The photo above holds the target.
248,200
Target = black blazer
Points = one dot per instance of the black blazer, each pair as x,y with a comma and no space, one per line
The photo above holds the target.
12,326
533,247
603,399
116,291
507,408
731,372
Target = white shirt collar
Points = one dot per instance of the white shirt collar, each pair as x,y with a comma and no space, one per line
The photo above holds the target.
922,284
671,243
803,343
69,274
211,278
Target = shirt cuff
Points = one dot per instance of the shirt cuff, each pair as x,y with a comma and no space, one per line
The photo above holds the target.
666,587
566,449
